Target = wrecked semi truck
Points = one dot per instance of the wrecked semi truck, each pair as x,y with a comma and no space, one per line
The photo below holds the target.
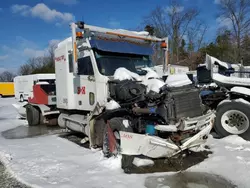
121,109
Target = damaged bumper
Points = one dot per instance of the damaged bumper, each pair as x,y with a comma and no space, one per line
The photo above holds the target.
156,147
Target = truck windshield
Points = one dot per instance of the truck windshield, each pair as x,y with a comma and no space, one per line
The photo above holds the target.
108,62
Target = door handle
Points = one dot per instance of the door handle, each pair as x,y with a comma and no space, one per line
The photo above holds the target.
91,78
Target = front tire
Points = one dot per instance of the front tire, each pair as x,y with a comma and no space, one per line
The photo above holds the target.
112,138
233,118
21,98
33,115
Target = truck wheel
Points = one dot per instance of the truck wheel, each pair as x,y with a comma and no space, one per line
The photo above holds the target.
233,118
33,115
41,118
21,98
1,96
127,163
116,125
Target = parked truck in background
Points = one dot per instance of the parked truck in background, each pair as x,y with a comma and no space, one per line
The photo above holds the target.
7,89
24,84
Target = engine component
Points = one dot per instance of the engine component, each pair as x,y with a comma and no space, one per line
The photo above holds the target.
183,102
150,129
126,91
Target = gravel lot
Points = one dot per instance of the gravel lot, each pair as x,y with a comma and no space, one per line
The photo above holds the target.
6,181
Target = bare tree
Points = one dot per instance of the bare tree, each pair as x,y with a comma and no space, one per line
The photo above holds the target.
25,69
238,13
195,36
51,51
43,64
174,22
6,76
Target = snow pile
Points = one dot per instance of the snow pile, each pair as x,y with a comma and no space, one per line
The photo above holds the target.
178,80
111,105
142,162
231,80
152,81
150,73
154,85
210,61
125,123
142,33
112,163
125,74
242,101
169,128
241,90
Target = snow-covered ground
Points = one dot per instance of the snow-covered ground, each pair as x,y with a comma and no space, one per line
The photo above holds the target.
49,161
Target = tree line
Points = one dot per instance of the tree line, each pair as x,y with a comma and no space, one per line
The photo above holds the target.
186,31
34,65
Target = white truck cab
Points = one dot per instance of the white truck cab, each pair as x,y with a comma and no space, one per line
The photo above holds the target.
124,115
99,52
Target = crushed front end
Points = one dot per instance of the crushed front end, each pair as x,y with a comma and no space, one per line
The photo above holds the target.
178,140
162,123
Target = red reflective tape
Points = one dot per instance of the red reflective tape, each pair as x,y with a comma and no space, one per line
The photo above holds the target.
111,139
81,90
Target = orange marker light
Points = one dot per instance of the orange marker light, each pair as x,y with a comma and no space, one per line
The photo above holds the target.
164,45
75,52
79,35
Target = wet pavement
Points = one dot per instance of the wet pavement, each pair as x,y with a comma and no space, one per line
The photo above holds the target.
188,180
180,162
30,131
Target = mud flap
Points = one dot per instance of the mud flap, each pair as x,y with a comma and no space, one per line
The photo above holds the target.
111,140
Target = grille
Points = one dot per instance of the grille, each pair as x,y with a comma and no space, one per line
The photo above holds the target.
187,103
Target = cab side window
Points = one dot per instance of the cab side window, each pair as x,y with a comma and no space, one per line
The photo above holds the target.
70,62
85,66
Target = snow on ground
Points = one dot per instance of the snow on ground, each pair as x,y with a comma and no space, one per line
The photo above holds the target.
49,161
231,159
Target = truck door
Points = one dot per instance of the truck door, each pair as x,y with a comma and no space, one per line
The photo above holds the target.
85,84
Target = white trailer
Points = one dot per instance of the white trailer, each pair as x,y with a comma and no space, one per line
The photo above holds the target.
24,84
171,69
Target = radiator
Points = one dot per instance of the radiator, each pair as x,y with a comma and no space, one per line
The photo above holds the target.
186,102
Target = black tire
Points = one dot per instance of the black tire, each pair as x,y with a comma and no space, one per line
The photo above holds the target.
1,96
225,107
33,115
116,124
127,163
41,118
21,98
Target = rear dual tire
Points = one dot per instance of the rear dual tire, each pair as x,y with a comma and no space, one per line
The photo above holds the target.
233,118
